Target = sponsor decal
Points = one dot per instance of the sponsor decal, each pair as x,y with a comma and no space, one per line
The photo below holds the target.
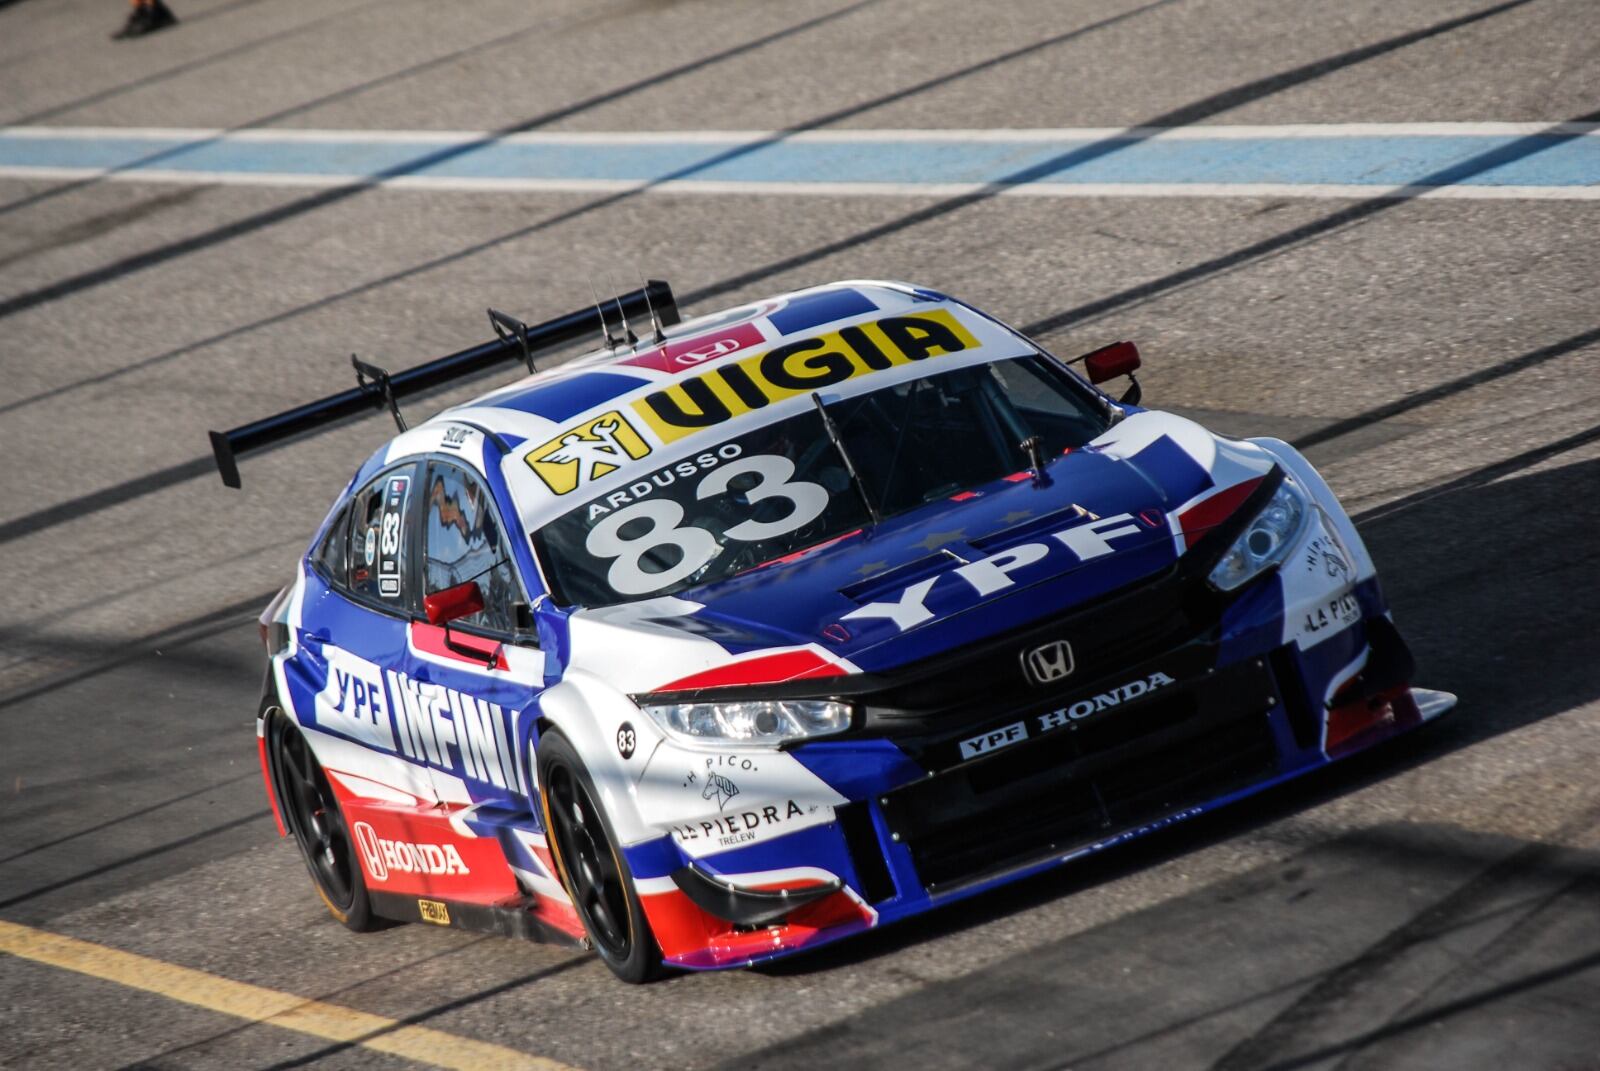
1115,697
646,486
734,387
1337,613
434,911
994,741
718,786
369,553
1324,555
353,703
627,740
680,355
383,857
454,438
585,453
394,509
451,730
990,742
720,789
1094,538
741,827
1048,663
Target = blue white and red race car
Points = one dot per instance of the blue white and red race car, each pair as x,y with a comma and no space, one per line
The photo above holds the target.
792,621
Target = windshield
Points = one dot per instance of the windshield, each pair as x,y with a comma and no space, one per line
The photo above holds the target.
784,487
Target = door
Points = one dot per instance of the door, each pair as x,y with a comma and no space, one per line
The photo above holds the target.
468,690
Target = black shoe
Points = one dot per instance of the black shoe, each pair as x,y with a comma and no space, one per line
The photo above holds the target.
146,19
138,19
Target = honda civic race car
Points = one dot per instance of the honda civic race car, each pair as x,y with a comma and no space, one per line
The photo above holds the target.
788,622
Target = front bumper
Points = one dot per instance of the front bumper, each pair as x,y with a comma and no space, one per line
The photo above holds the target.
923,827
964,776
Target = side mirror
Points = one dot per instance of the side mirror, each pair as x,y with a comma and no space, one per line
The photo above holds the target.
1109,362
448,605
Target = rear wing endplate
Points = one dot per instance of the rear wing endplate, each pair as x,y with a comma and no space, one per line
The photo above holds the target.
376,390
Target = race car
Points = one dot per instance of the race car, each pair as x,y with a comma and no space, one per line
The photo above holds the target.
780,624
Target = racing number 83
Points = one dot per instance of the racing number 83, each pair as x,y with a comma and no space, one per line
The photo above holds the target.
627,575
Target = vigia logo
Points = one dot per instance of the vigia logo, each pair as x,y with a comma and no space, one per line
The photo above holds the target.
583,454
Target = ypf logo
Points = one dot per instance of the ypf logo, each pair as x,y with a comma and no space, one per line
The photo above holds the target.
1048,663
367,840
583,454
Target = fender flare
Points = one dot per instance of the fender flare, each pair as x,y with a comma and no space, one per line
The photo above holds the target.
589,714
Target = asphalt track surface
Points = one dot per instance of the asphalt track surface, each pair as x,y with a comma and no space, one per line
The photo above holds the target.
1434,904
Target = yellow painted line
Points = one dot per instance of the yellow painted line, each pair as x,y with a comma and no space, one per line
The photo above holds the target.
268,1007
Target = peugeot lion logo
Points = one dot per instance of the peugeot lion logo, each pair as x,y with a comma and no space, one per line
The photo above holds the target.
1051,662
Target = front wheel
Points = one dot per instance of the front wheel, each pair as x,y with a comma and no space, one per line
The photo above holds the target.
312,814
591,867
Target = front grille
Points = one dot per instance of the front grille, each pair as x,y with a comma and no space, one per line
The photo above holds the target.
1078,784
1122,630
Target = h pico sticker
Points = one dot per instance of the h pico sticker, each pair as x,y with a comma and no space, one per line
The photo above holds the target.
583,454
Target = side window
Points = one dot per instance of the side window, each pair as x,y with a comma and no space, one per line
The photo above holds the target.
329,557
463,541
377,556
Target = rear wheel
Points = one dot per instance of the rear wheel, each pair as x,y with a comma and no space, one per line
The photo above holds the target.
312,814
592,869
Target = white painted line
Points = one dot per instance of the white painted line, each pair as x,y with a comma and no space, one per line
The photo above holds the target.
817,189
699,137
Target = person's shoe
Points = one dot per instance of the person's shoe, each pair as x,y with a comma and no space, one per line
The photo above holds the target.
161,17
138,20
146,19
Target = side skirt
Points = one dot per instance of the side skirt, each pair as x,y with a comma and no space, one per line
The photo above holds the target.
514,918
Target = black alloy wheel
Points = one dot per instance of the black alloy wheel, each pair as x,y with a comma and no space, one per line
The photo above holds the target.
312,814
591,868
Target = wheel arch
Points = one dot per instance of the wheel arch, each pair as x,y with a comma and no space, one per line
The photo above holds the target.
589,714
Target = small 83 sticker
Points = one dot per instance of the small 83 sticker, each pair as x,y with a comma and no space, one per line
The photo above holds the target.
627,740
583,454
433,911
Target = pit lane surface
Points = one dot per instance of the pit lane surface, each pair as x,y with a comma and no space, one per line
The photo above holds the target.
1434,904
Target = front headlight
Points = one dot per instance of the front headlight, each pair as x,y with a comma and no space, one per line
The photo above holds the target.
759,721
1266,542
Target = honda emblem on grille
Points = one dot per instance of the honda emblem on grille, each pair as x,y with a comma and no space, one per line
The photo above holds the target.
1051,662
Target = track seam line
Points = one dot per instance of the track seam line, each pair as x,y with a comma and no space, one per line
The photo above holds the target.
268,1007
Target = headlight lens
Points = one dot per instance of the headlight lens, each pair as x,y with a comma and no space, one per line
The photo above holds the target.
1266,542
762,721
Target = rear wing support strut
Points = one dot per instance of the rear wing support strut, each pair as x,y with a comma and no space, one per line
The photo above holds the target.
371,394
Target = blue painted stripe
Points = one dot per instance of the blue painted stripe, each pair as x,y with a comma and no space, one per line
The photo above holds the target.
810,310
1356,160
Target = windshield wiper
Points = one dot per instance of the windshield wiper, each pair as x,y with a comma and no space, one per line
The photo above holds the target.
844,456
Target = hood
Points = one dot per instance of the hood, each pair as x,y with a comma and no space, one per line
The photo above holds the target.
986,561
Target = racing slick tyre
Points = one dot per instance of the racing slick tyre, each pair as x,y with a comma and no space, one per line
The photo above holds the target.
312,814
591,867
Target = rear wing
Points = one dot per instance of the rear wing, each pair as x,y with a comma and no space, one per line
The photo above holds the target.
376,389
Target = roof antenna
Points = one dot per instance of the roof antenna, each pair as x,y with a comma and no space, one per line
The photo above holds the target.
628,337
605,327
659,337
